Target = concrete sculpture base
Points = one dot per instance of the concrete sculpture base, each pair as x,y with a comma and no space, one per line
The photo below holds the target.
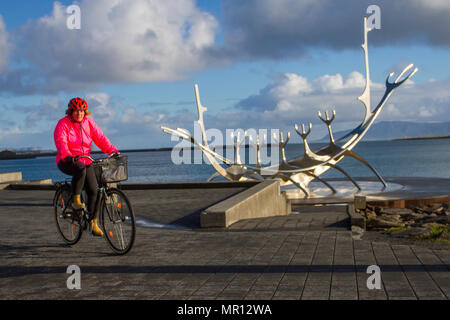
263,200
400,192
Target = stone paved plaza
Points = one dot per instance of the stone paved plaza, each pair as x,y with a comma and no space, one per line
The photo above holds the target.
309,254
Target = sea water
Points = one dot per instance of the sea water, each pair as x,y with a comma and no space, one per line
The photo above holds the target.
400,158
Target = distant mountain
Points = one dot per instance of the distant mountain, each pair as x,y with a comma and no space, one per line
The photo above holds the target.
387,130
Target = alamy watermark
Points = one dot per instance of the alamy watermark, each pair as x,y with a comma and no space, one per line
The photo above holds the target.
374,20
74,280
263,146
374,281
73,21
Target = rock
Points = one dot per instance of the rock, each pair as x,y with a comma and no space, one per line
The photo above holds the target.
357,232
440,210
391,218
428,209
438,219
420,208
411,233
371,215
395,217
397,211
435,207
382,223
416,216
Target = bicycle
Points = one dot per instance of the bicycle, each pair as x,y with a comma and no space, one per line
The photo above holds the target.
112,207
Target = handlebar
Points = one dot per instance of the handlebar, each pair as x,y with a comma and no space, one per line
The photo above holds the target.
98,160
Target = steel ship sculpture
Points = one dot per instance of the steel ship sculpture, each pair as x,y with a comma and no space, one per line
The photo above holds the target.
302,170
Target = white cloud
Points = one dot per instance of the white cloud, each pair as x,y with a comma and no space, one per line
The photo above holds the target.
100,106
119,41
294,92
291,85
427,111
132,117
282,105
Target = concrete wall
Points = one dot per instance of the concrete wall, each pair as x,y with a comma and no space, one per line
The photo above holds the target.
262,200
10,176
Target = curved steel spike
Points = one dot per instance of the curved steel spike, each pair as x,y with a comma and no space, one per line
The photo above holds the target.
357,157
392,85
303,134
288,136
184,131
285,177
403,72
320,116
309,129
321,180
215,175
335,166
327,119
281,139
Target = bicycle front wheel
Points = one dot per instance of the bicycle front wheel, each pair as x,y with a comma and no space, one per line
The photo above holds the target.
118,221
67,220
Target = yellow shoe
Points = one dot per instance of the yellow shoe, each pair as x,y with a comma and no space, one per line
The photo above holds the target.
96,231
76,203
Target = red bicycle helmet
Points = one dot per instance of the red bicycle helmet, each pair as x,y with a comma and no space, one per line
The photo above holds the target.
78,104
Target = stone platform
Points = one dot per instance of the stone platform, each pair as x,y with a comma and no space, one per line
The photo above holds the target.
400,191
308,254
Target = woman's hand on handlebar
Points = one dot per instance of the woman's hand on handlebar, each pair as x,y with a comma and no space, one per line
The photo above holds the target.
75,159
114,154
70,159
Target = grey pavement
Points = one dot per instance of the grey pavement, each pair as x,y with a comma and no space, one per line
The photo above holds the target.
309,254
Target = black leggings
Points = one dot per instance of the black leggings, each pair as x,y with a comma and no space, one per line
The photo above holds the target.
82,176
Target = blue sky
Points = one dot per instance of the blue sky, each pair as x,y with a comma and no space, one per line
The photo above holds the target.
258,64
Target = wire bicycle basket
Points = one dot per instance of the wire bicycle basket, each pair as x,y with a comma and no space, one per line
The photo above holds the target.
113,169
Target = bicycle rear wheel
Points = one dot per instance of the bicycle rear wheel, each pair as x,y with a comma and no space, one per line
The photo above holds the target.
118,221
67,220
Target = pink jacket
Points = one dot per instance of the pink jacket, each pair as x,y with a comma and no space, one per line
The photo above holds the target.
75,138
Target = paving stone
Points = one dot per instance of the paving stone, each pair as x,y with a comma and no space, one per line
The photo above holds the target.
294,261
259,295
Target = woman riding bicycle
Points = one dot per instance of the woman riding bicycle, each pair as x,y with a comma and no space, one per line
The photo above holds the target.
73,137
